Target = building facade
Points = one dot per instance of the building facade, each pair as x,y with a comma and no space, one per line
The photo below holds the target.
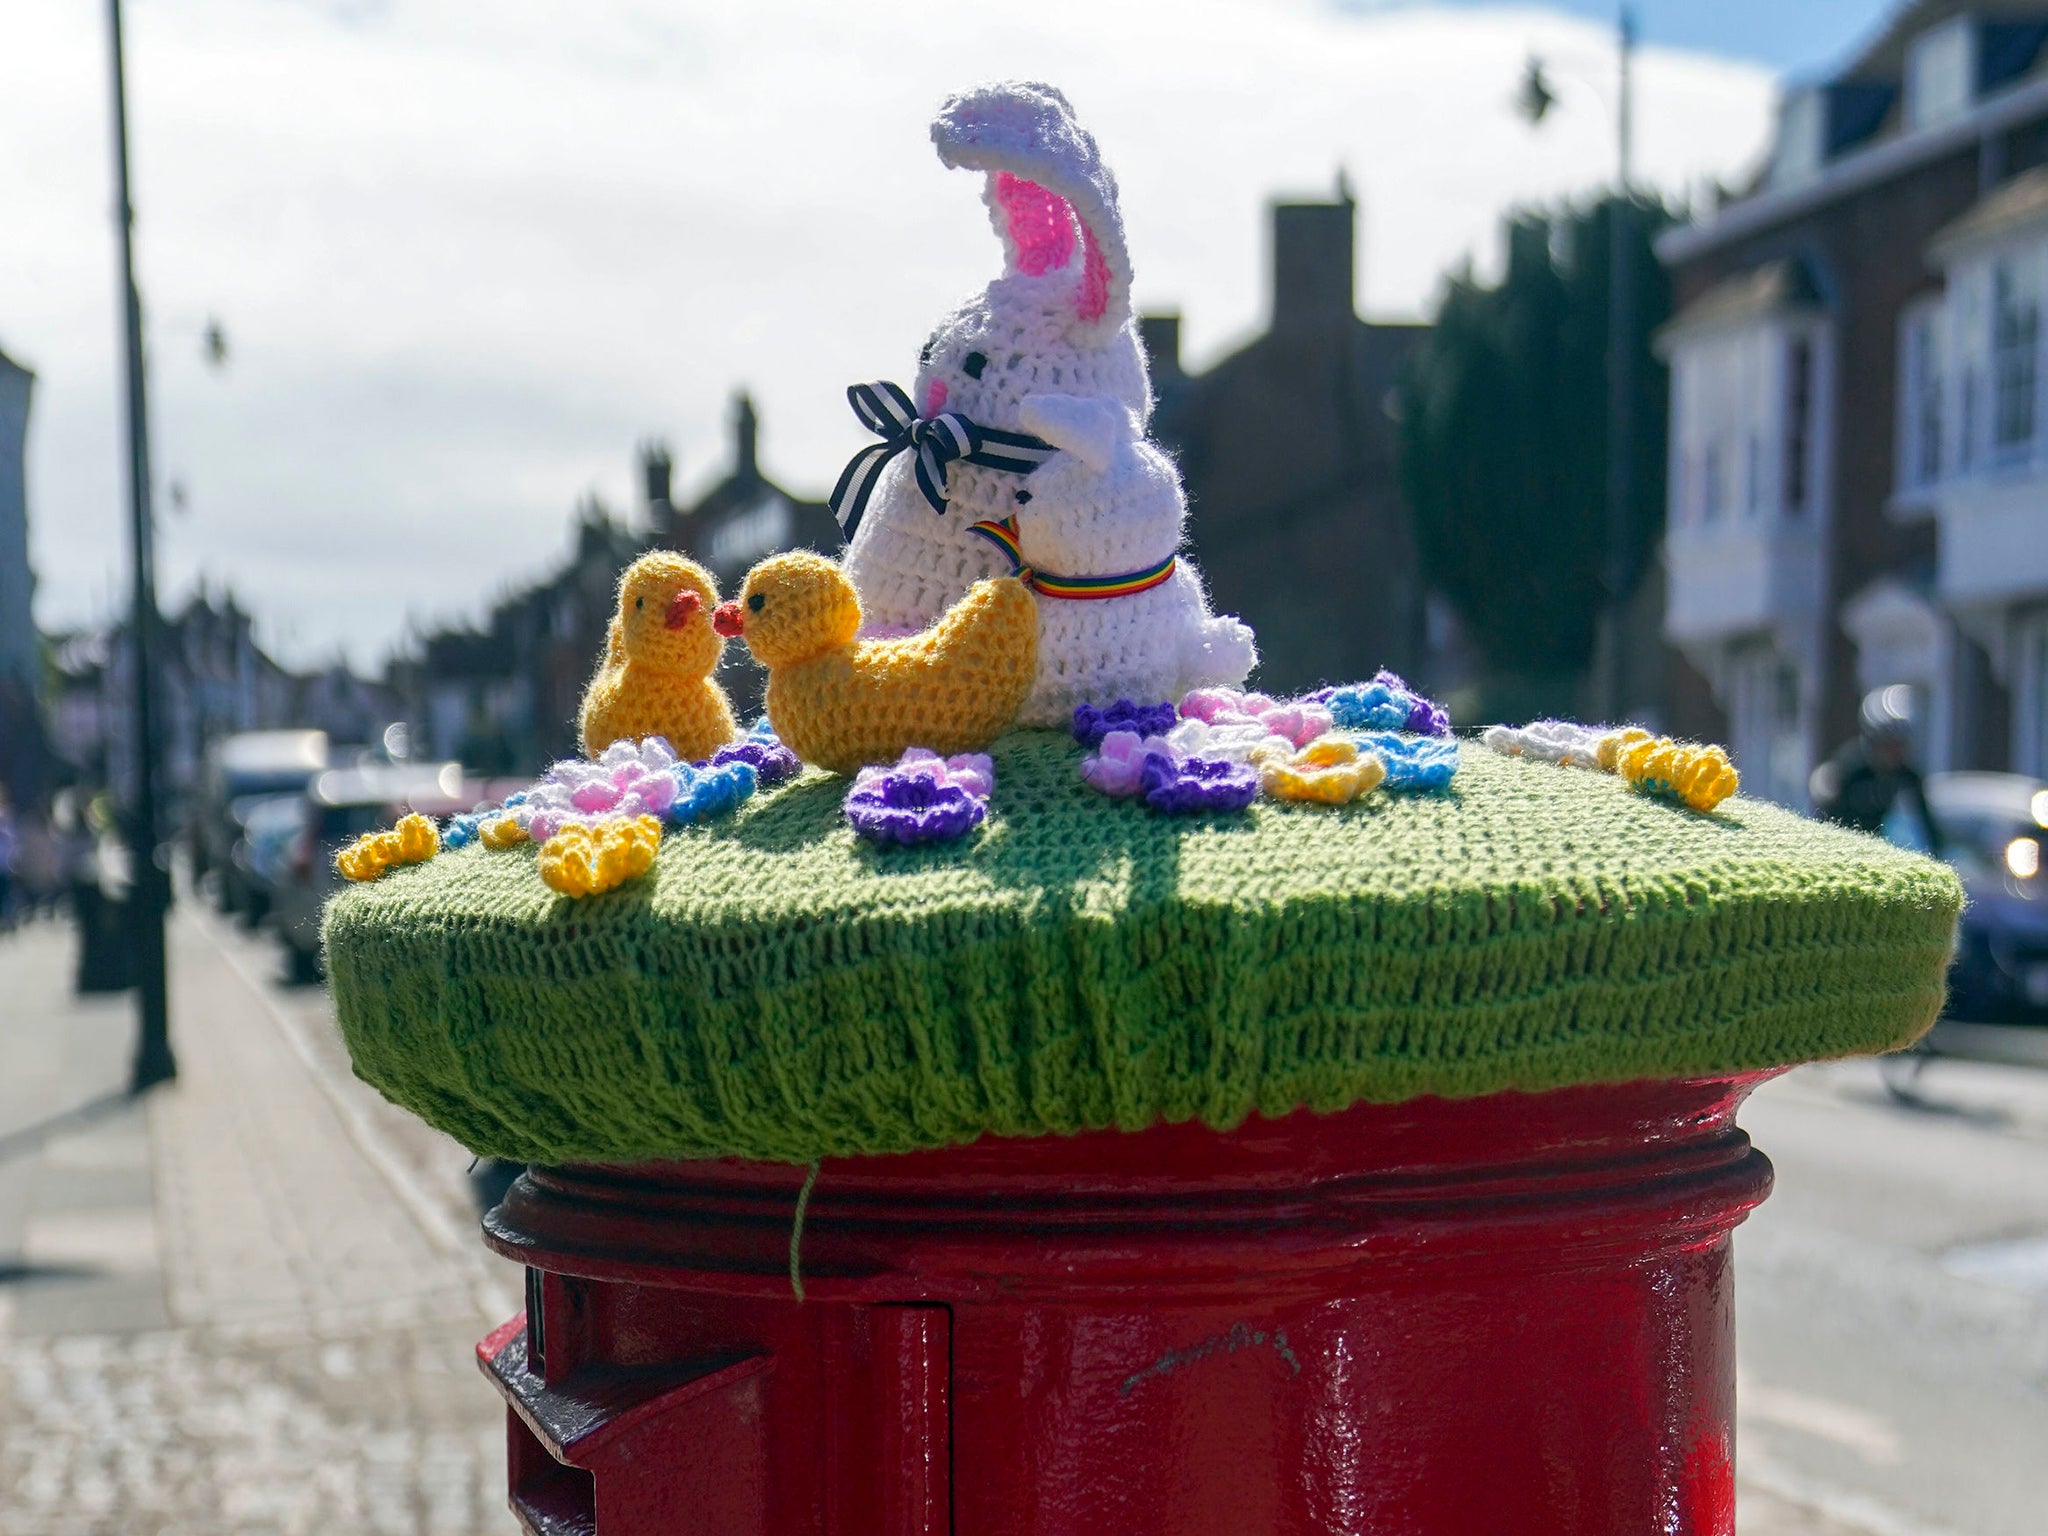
1858,491
18,649
1291,463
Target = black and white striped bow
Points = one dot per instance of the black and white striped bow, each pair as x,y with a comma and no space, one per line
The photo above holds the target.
938,440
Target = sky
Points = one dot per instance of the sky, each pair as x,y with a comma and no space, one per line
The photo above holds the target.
468,257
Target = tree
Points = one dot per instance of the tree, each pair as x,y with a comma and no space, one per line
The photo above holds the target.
1504,440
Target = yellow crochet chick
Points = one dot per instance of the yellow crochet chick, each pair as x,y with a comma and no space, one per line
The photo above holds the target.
1330,770
842,703
413,841
655,679
584,860
1700,776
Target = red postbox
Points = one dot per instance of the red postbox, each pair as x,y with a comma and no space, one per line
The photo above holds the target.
1511,1313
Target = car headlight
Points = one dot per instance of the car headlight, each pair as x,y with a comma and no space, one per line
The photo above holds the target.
2023,857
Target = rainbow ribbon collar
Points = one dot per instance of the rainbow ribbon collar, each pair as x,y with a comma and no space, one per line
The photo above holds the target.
1004,536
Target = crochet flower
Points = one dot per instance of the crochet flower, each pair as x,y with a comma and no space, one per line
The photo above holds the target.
1301,721
1329,771
584,859
502,831
412,841
924,798
702,793
761,751
1414,763
1384,704
459,832
1092,724
1231,743
1700,776
1553,741
1185,786
630,779
1119,764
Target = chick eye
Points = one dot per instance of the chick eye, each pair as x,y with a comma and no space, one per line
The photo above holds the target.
757,602
974,363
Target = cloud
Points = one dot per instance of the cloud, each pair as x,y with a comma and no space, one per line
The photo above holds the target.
467,259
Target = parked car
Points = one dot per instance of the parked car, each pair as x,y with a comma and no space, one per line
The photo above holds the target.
261,859
337,808
238,772
1993,828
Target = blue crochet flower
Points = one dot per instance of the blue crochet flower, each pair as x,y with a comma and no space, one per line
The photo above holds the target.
702,793
1187,785
1414,763
1091,723
458,832
1384,704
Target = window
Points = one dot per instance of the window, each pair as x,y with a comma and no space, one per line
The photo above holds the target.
1921,383
2015,358
1744,409
1798,421
1796,156
1941,73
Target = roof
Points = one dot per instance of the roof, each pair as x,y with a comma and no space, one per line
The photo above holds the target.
2019,203
1784,286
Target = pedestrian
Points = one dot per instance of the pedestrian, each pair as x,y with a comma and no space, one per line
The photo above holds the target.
1873,779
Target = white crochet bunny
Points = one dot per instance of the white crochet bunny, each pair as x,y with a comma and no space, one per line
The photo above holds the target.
1049,350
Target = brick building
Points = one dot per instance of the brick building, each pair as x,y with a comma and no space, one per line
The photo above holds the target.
1859,445
1292,465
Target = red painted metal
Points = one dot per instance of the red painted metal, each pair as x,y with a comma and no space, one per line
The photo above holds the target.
1512,1313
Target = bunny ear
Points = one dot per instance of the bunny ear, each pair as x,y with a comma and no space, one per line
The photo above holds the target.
1045,177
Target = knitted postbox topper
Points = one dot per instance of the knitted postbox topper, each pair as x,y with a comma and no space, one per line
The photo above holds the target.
779,987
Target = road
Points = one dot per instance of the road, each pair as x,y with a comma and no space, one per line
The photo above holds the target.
1892,1301
249,1308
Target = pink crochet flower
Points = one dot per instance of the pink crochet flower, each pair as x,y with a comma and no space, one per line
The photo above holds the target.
1301,721
974,772
1119,763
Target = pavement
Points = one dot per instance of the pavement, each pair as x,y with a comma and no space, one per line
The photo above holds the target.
247,1304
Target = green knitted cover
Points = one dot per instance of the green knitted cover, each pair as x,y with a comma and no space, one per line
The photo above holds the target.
776,988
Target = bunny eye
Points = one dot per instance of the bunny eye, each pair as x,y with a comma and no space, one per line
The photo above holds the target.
757,602
924,354
974,364
639,603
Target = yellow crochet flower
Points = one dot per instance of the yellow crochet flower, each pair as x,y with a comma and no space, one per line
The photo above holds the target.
1329,771
584,859
413,841
501,832
1700,776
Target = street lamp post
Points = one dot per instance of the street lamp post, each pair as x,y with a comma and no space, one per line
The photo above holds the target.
1620,381
154,1062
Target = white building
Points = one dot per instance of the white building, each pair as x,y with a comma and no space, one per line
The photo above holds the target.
1859,451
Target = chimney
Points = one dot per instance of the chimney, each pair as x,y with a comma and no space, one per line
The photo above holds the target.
746,431
1312,262
1160,336
657,473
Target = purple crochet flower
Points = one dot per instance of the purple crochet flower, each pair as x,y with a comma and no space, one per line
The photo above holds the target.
1195,784
1091,723
924,798
1426,717
771,761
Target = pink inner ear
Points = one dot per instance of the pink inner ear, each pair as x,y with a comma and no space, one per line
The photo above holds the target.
1041,225
1092,298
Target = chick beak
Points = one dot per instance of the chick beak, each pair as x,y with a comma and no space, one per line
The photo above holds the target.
727,620
681,609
